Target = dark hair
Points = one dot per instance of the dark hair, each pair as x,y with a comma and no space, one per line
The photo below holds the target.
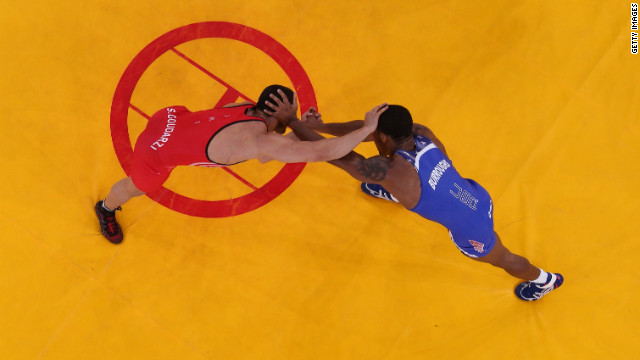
272,89
396,122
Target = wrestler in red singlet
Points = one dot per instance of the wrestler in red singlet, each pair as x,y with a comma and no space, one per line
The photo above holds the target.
176,136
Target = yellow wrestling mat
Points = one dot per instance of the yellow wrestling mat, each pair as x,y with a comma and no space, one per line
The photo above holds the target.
537,101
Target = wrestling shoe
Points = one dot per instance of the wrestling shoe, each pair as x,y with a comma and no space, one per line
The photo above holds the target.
530,291
108,224
377,191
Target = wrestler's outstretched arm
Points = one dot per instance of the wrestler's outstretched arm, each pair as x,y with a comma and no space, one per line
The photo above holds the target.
276,147
313,119
372,170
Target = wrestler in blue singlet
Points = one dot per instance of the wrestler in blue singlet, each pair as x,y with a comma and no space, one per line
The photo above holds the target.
461,205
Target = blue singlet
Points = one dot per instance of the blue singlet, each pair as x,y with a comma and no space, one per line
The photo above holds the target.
461,205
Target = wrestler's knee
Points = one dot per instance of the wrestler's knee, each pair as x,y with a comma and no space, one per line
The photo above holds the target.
499,256
132,189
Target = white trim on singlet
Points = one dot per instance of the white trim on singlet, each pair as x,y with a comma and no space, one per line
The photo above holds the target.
422,152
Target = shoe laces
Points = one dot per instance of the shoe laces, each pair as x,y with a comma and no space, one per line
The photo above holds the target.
110,220
111,224
543,289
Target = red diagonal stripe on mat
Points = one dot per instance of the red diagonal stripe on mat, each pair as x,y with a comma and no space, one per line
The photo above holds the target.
190,61
140,112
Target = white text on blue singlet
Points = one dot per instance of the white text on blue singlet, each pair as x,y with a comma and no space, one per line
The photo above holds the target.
437,172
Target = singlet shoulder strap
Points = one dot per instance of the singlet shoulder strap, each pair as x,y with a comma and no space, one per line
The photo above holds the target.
423,144
234,115
246,107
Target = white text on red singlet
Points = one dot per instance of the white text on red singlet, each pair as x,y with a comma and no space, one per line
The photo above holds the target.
171,124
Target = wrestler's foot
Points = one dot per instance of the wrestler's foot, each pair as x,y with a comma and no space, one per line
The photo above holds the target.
530,291
108,224
377,191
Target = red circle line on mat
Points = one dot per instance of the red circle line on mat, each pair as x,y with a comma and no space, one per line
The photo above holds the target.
122,100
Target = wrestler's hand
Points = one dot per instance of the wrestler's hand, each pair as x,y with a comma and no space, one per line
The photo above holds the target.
372,116
283,110
312,119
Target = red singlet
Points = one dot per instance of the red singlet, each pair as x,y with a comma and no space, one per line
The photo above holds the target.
175,136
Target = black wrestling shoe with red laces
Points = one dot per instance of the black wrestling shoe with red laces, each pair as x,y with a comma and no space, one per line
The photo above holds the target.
108,224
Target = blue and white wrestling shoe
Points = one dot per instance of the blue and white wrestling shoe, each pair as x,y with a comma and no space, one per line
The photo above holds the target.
530,291
377,191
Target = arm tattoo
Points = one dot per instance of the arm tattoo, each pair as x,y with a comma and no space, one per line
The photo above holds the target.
374,168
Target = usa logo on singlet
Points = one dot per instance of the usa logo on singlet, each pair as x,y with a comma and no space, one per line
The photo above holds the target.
478,246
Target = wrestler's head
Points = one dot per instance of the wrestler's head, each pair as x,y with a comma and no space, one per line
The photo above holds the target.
272,123
395,125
